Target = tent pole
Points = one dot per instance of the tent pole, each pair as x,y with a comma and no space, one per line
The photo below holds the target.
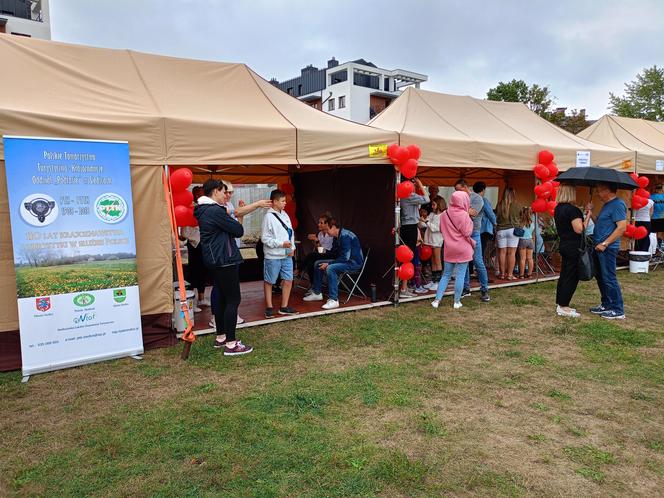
397,228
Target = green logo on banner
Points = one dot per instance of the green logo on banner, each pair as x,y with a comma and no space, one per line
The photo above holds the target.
110,208
119,295
83,300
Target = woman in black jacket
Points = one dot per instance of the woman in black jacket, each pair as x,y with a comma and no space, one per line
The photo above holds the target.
221,256
570,224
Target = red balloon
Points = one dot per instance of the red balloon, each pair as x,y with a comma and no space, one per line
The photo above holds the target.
638,202
545,157
182,214
404,189
640,233
403,254
290,209
542,172
538,205
191,221
391,149
555,183
634,177
641,192
400,156
184,198
643,181
287,188
553,170
554,193
629,231
180,179
425,253
409,168
543,190
406,271
414,152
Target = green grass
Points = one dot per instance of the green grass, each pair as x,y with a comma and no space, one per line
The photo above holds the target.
385,402
94,275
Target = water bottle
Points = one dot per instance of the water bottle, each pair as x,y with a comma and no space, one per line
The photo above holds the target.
373,293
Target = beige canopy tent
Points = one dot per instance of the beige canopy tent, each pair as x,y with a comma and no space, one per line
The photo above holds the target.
464,132
207,115
645,138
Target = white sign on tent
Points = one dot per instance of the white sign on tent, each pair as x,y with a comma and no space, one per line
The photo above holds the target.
582,158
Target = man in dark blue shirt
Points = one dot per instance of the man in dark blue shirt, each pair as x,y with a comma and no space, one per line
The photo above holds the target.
348,258
609,227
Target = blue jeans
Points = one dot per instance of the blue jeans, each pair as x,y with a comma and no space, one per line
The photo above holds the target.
478,261
332,271
607,280
458,280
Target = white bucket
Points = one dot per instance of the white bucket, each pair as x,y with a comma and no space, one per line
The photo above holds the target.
639,261
178,318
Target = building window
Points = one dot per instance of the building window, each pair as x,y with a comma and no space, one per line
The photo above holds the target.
299,90
330,105
342,102
387,84
338,76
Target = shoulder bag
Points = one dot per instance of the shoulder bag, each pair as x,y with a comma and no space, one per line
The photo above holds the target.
586,268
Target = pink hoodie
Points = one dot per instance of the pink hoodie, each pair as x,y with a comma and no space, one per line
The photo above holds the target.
456,225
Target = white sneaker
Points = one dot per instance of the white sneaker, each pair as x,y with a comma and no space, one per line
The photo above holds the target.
204,302
421,290
313,297
432,285
406,294
457,305
240,320
212,323
572,313
435,303
330,304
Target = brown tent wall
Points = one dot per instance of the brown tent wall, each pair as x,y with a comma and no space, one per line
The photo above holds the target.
362,199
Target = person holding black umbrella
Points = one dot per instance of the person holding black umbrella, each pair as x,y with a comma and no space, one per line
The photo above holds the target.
609,228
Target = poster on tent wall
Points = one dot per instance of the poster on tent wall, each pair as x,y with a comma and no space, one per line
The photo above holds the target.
72,225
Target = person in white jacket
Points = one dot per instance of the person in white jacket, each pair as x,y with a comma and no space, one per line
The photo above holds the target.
278,240
434,237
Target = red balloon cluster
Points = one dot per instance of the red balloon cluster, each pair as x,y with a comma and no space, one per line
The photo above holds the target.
641,195
547,190
634,232
404,256
405,160
179,180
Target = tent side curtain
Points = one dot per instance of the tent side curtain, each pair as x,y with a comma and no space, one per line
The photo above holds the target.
458,131
153,247
645,138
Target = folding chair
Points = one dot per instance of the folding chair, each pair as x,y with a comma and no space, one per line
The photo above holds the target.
657,258
353,277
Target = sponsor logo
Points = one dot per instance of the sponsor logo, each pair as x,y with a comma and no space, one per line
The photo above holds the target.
43,303
119,295
110,208
86,317
83,300
39,210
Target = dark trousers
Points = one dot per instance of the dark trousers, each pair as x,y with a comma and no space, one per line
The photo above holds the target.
568,281
195,271
309,263
227,282
607,280
644,243
485,238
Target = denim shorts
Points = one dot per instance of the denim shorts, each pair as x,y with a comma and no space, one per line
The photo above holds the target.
274,268
526,244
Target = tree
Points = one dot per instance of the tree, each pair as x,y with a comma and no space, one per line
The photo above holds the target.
644,97
574,121
537,98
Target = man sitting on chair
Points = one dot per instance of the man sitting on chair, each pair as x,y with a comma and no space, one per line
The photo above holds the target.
349,258
323,242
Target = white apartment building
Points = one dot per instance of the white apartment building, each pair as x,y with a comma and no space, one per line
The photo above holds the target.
25,18
356,90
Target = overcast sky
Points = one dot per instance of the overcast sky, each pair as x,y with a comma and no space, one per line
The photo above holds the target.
580,49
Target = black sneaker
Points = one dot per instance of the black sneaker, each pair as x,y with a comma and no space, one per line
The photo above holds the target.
288,311
239,349
269,313
613,315
219,344
485,298
465,293
598,310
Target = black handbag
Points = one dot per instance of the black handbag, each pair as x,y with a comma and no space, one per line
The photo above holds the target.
586,266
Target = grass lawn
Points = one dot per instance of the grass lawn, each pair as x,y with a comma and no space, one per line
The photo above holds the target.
94,275
498,399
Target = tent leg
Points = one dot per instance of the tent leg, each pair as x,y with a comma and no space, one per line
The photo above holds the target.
397,228
185,351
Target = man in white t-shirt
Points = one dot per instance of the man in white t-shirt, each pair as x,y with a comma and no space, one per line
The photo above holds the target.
642,218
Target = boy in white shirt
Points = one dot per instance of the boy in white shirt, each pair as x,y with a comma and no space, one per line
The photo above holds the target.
278,240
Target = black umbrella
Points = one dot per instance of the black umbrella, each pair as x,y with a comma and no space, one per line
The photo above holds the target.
592,175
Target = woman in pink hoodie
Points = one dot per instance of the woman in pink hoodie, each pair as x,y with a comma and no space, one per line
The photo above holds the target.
456,225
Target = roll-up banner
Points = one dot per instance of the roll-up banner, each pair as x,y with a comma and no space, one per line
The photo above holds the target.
72,224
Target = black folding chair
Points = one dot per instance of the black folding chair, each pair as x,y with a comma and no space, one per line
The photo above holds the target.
349,280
